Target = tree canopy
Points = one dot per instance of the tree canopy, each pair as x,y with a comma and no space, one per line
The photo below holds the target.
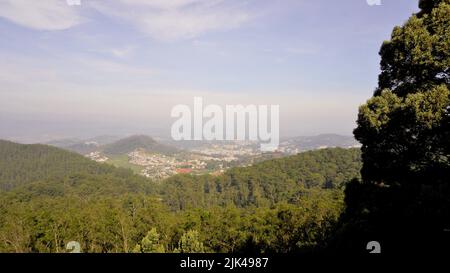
403,197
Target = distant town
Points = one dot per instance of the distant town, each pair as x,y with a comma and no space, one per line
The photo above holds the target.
208,157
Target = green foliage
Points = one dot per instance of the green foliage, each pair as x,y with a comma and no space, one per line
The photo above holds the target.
418,55
55,196
404,137
403,197
265,183
48,170
190,243
150,243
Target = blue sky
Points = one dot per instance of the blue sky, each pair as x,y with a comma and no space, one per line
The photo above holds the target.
117,67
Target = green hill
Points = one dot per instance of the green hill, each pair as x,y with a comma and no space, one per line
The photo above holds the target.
266,183
22,165
129,144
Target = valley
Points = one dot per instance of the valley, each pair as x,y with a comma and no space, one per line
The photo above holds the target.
164,158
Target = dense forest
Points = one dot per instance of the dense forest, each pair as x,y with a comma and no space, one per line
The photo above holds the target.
266,183
280,205
34,166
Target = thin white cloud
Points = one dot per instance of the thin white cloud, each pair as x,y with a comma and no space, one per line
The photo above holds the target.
162,4
178,19
40,15
123,52
19,74
161,19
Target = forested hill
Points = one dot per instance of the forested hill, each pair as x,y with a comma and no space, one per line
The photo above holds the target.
51,196
22,165
266,183
129,144
54,171
326,168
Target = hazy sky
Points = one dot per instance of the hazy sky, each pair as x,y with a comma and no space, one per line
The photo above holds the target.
118,67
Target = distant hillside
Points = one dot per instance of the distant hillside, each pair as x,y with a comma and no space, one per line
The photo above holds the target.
83,146
306,143
266,183
22,164
62,143
103,140
129,144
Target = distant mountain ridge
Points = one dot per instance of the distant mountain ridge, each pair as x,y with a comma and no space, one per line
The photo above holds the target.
83,146
68,142
114,145
306,143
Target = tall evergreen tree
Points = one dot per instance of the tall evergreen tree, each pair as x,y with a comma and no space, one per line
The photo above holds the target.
404,196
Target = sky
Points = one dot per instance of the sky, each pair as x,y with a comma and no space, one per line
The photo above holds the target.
119,66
